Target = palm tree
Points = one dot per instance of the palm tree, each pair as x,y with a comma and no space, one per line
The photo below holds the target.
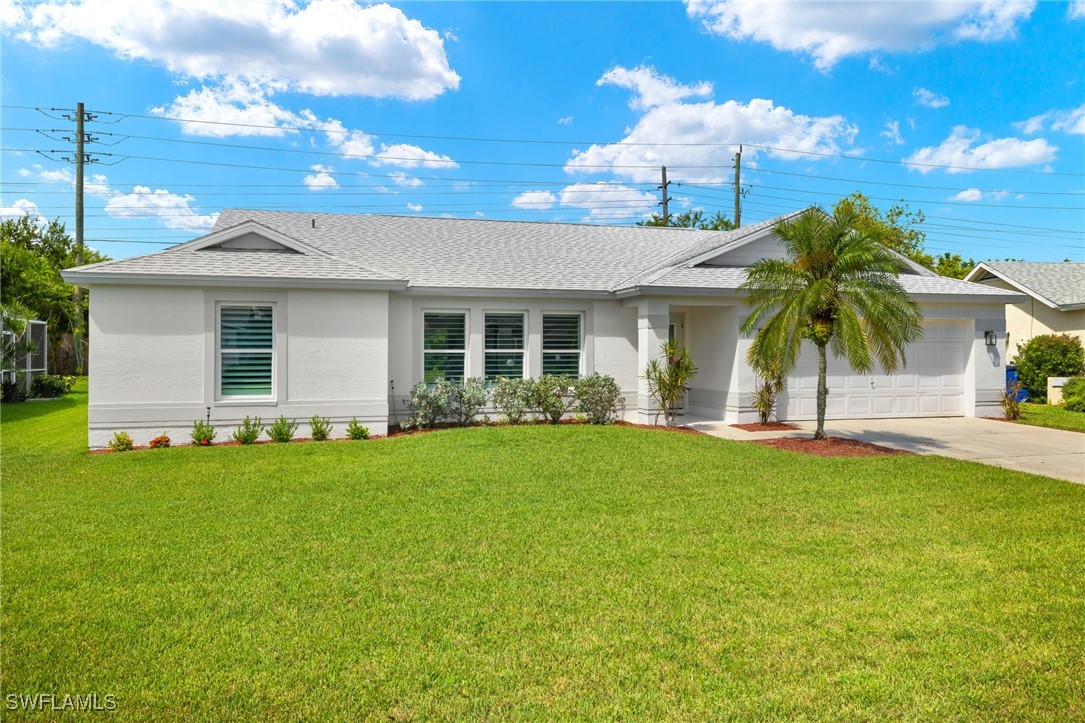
837,289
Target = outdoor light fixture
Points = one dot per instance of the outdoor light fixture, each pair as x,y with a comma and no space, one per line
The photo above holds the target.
991,338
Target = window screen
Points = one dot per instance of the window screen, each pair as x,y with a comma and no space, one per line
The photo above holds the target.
504,351
444,341
561,344
246,348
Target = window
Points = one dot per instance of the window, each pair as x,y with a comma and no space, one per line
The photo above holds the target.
444,341
504,345
561,344
246,351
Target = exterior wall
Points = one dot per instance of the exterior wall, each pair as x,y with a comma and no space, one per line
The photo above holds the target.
1034,318
153,352
712,340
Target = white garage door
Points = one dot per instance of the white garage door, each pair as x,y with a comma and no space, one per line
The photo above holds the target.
931,385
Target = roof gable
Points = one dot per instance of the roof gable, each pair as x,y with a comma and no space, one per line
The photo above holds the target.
253,237
1059,285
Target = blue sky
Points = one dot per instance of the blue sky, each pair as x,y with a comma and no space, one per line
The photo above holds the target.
974,112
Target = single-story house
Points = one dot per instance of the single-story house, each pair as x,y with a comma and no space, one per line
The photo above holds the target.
1054,301
340,315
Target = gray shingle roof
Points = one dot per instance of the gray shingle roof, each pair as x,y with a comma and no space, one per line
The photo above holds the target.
1063,284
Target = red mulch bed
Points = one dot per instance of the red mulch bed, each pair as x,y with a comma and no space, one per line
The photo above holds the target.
770,427
829,447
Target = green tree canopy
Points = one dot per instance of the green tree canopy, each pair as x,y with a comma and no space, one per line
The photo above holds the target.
694,218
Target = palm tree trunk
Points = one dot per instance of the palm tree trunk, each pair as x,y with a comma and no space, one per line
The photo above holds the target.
823,391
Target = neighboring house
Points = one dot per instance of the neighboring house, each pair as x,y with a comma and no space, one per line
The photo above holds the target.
1055,301
300,314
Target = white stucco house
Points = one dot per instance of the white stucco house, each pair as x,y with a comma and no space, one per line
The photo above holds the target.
1052,301
340,315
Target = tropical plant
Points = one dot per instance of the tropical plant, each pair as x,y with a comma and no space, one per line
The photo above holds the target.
837,288
203,433
1048,355
249,431
320,428
1010,401
47,386
121,442
554,396
513,397
598,398
357,431
428,405
770,382
281,430
465,400
161,441
668,379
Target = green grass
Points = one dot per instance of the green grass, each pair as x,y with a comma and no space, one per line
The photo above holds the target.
1053,416
534,573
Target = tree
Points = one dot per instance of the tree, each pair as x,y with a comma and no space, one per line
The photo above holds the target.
898,227
953,265
668,380
694,218
837,289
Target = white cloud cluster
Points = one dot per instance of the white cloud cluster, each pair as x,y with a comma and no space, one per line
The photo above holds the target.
321,179
829,32
19,208
171,209
892,133
235,107
1076,10
975,194
96,184
402,179
651,88
1069,121
929,98
712,127
603,201
405,155
324,47
415,207
961,150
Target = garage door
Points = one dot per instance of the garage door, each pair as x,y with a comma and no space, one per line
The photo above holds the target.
931,385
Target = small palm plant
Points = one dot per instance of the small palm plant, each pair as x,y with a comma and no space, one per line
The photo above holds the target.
838,289
668,379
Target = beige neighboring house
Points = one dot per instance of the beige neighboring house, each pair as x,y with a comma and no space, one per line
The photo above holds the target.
1055,303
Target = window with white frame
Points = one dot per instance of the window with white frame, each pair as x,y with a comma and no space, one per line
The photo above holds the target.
246,350
561,344
504,345
444,345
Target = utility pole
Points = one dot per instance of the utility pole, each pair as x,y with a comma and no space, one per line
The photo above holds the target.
666,198
738,194
81,116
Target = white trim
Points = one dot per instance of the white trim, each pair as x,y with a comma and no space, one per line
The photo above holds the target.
241,399
250,227
525,344
582,333
466,341
87,279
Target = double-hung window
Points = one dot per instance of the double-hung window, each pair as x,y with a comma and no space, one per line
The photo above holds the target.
504,350
246,350
444,345
561,344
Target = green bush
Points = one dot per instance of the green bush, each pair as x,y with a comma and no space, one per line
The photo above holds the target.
121,442
553,396
466,400
281,430
1073,394
320,428
1050,355
249,431
13,391
513,398
203,434
48,386
69,382
598,398
357,431
428,405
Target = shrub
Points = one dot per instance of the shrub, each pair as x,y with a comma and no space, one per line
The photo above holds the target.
357,431
428,405
553,396
466,400
1011,407
69,382
1050,355
599,398
249,431
281,430
13,391
121,442
203,434
161,441
513,398
48,386
668,379
1073,394
320,427
770,382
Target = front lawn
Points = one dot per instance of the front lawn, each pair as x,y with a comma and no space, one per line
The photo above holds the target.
534,573
1053,416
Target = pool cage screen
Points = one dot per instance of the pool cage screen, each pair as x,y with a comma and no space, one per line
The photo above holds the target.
26,366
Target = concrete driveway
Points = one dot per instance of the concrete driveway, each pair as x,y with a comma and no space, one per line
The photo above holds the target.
1051,452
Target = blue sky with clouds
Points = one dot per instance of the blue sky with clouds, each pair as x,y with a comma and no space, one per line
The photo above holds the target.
973,112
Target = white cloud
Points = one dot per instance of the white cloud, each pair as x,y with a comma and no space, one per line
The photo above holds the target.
892,133
96,184
540,200
959,150
651,88
18,209
929,98
402,179
22,172
1070,121
877,63
414,207
716,126
57,175
325,47
566,121
322,179
235,107
975,194
829,32
607,201
405,155
1077,9
171,209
